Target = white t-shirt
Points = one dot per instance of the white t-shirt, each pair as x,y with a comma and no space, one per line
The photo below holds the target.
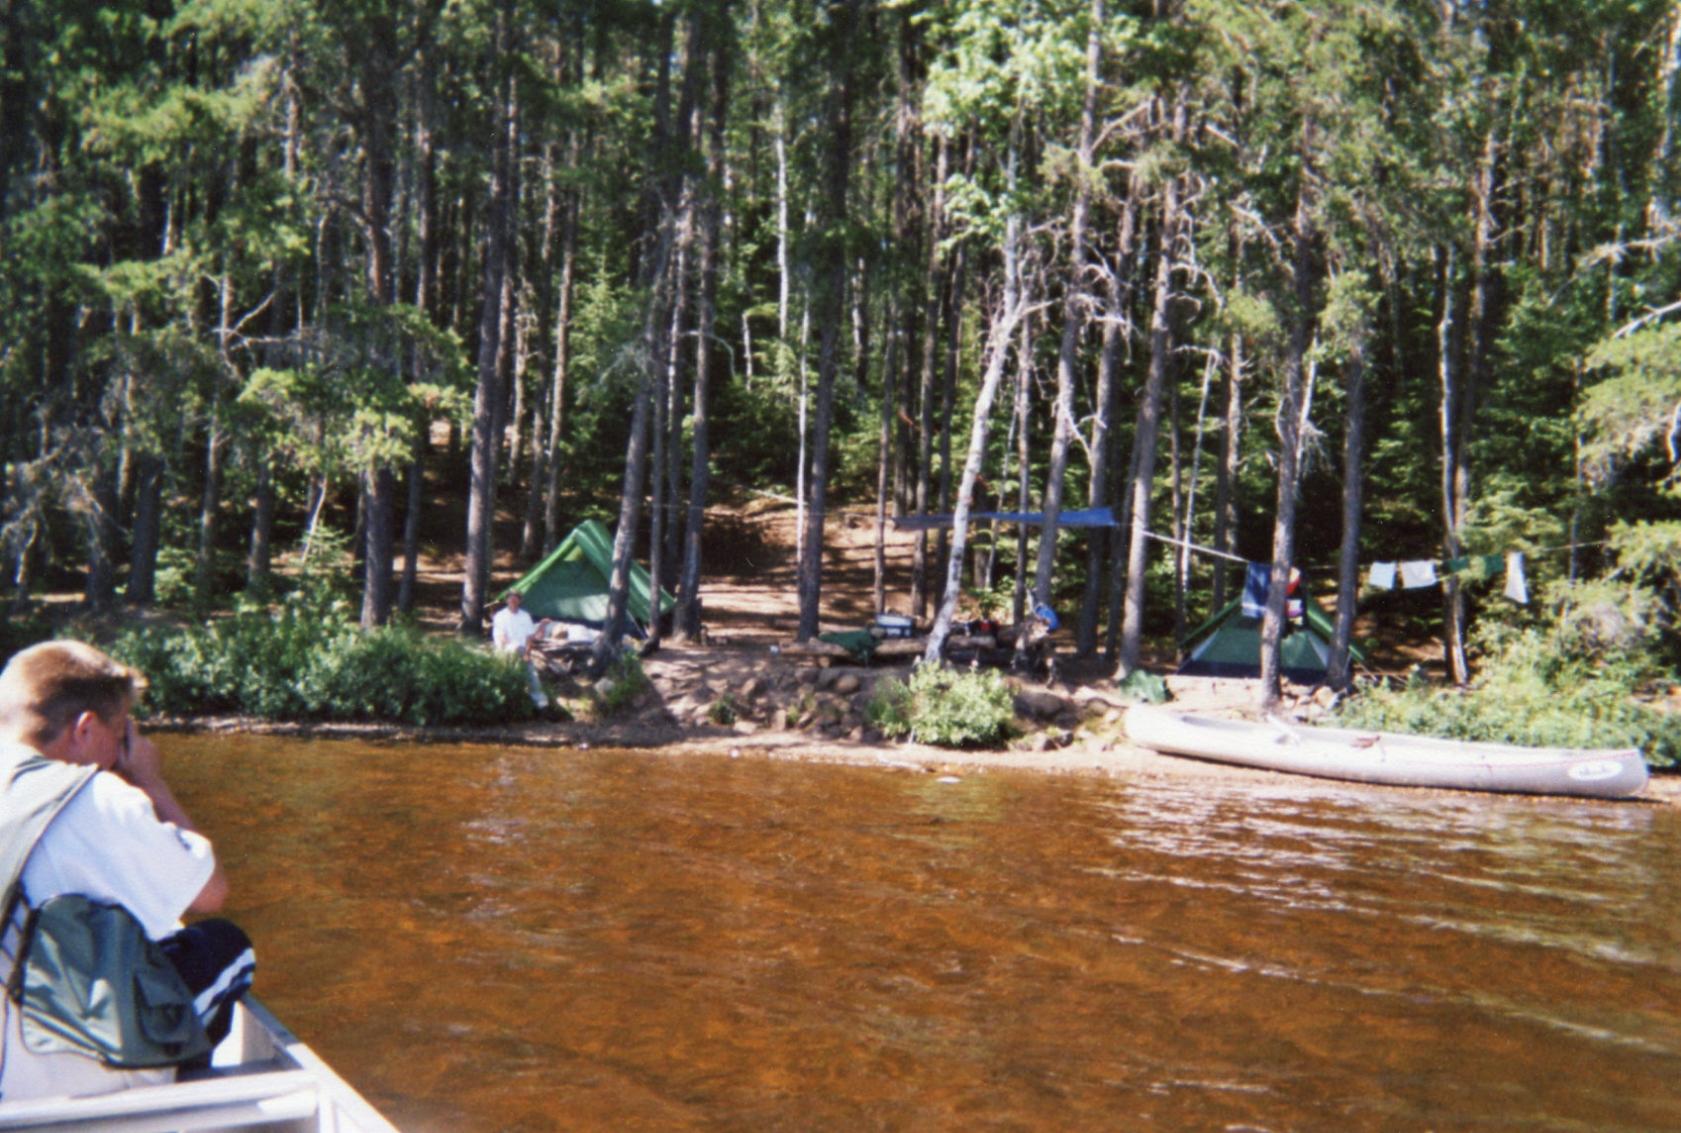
108,844
509,630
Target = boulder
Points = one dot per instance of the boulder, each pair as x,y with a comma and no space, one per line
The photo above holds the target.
1039,705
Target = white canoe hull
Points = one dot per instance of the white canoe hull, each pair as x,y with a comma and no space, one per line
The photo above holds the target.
264,1079
1389,758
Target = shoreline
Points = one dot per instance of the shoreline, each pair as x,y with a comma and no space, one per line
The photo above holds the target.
1106,758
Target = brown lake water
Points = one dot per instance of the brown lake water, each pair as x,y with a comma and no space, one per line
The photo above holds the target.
517,939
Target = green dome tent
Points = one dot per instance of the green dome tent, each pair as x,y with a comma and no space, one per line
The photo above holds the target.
1229,645
571,584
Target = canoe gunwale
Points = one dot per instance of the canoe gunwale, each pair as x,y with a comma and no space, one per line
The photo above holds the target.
262,1075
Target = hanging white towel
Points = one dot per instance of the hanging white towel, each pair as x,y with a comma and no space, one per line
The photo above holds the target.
1517,587
1381,576
1419,572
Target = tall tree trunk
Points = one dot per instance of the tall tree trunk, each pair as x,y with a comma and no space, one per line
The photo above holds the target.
884,456
1225,481
891,476
1074,315
1291,423
1100,450
1449,333
414,487
1459,402
1187,523
143,547
662,198
562,364
659,503
665,534
427,271
487,396
711,216
832,290
377,590
210,505
531,521
100,527
148,514
1024,497
925,397
948,389
259,562
1339,671
1149,411
215,449
378,68
997,354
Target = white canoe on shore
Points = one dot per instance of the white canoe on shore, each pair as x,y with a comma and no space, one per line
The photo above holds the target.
1389,758
263,1078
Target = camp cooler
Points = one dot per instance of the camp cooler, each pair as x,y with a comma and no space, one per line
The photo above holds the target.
894,625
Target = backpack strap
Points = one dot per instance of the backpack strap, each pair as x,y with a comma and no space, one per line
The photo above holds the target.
33,791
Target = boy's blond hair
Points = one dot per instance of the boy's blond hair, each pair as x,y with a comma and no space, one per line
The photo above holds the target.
44,688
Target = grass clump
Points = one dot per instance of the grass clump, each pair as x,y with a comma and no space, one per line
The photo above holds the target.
309,660
723,711
946,707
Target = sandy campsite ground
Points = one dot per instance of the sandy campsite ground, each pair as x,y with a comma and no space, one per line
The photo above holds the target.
739,694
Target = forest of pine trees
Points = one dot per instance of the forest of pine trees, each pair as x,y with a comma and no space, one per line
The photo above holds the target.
1309,283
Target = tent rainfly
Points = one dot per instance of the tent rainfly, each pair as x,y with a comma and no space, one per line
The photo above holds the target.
1229,645
571,584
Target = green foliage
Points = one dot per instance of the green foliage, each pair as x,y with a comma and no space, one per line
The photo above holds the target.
308,660
620,686
1571,685
947,707
724,710
1634,409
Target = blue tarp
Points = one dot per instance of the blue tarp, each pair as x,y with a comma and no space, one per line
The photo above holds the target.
1080,517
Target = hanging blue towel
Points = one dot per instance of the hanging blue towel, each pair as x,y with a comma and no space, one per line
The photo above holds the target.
1256,578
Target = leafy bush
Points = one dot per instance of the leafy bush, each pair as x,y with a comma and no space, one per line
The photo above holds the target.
1570,685
948,707
619,687
308,660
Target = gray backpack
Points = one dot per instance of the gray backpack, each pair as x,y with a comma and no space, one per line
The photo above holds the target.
88,980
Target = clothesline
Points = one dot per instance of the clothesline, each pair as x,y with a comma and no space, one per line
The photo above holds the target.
1413,574
1196,547
1240,559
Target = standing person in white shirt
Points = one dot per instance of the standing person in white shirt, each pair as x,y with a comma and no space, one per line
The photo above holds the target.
120,839
510,631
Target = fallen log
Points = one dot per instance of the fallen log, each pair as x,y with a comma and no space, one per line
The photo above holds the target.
824,653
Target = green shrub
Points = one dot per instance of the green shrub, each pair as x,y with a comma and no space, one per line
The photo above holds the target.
1537,687
308,660
723,711
947,707
619,687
